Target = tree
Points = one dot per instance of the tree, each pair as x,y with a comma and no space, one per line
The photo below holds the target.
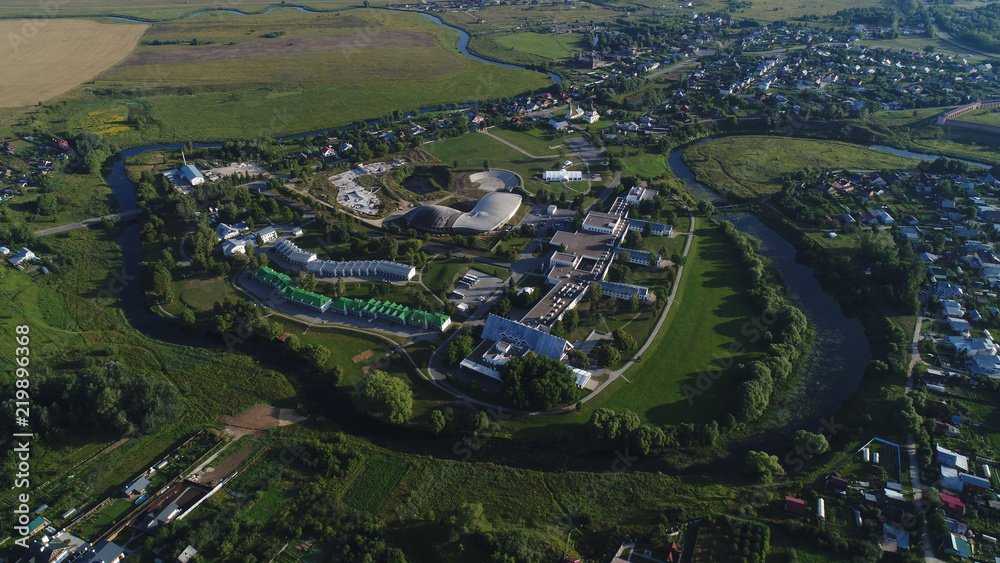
381,394
620,273
458,350
807,445
607,355
47,204
578,359
571,320
438,421
633,240
634,303
501,308
315,355
762,467
624,341
486,165
537,382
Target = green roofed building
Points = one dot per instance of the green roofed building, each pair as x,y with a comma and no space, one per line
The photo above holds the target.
284,284
392,312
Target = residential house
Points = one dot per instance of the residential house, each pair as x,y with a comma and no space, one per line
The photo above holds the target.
24,255
266,235
559,125
973,346
958,546
961,326
135,487
974,484
103,552
226,232
953,506
950,458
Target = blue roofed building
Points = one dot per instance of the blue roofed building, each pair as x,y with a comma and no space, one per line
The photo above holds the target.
192,175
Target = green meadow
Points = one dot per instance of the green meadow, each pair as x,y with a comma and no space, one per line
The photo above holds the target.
752,166
542,44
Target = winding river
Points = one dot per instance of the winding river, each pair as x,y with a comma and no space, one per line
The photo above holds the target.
835,363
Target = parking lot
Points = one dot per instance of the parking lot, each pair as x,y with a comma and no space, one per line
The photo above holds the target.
479,292
562,219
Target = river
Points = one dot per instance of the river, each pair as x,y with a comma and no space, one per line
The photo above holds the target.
839,353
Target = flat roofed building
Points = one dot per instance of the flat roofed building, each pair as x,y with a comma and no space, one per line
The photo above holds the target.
605,223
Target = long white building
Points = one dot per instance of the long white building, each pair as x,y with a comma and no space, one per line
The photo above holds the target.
354,268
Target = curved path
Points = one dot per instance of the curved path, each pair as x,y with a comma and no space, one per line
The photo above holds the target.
515,147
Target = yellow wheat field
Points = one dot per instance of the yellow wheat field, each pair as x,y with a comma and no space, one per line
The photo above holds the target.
42,58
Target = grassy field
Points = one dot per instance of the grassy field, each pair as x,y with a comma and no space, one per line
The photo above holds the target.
201,293
536,141
69,51
310,71
372,489
542,44
706,318
471,150
772,10
752,166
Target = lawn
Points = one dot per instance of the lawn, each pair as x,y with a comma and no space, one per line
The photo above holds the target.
704,321
535,141
542,44
752,166
471,150
202,292
772,10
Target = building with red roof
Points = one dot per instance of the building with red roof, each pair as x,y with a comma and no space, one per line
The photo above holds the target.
795,507
953,505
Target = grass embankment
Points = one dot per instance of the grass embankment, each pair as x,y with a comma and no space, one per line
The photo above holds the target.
706,318
749,167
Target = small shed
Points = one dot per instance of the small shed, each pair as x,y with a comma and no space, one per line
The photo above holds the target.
795,507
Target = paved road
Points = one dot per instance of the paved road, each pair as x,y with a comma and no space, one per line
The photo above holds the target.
88,222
